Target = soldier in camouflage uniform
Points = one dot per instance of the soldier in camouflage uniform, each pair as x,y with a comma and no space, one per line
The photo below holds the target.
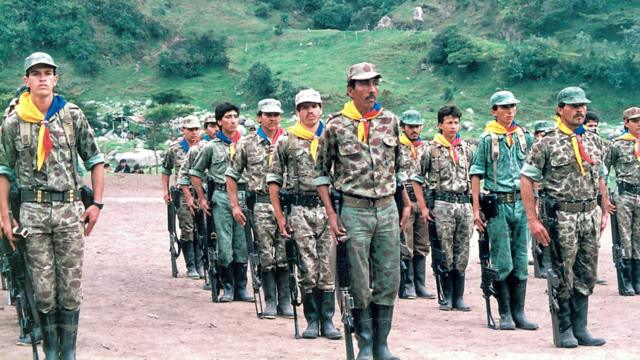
173,159
360,155
295,156
624,157
416,232
498,158
252,159
210,165
445,165
568,162
41,142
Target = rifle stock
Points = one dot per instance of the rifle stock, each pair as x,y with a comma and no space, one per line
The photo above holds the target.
548,216
487,276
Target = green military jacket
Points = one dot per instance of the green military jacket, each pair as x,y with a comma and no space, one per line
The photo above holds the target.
212,162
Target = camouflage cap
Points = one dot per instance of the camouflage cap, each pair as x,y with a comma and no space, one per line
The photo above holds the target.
38,58
411,117
250,124
503,98
572,95
209,119
542,125
363,71
308,95
191,122
631,113
269,106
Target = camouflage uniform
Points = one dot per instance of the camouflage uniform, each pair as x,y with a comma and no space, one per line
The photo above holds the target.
416,232
173,160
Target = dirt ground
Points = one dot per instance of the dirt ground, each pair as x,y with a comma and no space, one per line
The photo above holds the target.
134,309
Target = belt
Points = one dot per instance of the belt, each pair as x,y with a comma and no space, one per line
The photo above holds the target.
624,187
411,193
577,206
263,199
356,201
307,200
42,196
453,197
507,197
223,187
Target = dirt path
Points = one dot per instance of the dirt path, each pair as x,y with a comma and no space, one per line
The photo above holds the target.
133,309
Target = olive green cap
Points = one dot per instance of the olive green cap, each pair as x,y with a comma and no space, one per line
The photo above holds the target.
411,117
543,126
38,58
572,95
503,98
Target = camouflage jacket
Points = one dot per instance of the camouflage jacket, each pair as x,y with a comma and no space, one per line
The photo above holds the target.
292,159
553,163
212,162
251,160
413,164
174,158
18,160
436,166
189,159
622,158
369,169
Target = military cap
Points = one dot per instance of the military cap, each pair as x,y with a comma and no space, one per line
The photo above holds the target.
363,71
209,119
411,117
191,122
308,95
503,98
270,106
250,124
542,126
38,58
572,95
631,113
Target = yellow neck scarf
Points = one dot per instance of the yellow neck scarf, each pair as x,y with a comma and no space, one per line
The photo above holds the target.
305,134
28,112
576,144
497,128
404,140
630,137
440,139
352,113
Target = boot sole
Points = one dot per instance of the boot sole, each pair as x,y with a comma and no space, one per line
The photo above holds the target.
591,344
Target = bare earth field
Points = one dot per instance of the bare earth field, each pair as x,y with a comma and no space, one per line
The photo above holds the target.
134,309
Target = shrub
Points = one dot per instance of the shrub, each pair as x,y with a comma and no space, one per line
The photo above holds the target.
260,82
192,56
333,16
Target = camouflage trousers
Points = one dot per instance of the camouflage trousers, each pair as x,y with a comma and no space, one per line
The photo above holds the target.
232,244
576,238
374,243
185,220
269,244
315,247
509,241
416,234
54,250
454,225
628,213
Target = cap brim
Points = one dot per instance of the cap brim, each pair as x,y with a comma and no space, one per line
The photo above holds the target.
42,63
271,109
578,101
636,116
509,102
366,76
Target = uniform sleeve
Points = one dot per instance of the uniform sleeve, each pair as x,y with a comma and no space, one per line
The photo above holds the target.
535,162
238,161
202,161
479,164
183,173
403,163
424,165
611,157
325,159
86,142
279,162
167,164
8,152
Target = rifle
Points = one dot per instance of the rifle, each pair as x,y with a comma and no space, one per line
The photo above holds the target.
344,280
254,259
293,260
620,257
487,277
211,253
548,216
404,251
538,261
438,256
174,244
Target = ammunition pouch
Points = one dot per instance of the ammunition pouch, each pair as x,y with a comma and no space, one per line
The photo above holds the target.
624,187
489,205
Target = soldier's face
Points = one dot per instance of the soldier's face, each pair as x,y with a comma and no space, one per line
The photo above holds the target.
449,126
572,114
270,122
191,134
364,93
633,126
592,126
309,114
41,80
412,131
505,114
229,122
211,130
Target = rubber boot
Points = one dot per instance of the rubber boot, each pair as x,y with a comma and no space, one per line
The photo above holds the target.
188,253
240,290
458,292
363,328
285,309
579,315
198,259
409,287
269,289
627,279
567,339
327,309
312,315
26,339
447,291
226,276
68,330
518,292
504,305
635,264
50,339
419,277
382,317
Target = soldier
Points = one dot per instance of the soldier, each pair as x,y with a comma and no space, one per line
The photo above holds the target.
252,159
56,133
359,153
624,157
214,158
592,122
173,159
295,156
569,165
416,232
541,128
498,158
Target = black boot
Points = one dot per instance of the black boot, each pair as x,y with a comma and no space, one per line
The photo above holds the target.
50,339
363,327
68,329
567,340
311,314
579,320
226,276
188,253
635,275
197,258
409,287
327,309
504,305
285,309
625,279
419,277
458,291
447,291
518,292
382,316
240,291
269,289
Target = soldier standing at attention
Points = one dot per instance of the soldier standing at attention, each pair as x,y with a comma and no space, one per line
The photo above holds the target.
252,159
446,167
360,155
56,133
568,164
500,154
624,157
295,156
173,159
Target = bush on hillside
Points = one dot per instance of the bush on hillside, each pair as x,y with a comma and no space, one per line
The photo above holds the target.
192,56
260,82
333,16
262,10
170,96
451,47
531,59
287,94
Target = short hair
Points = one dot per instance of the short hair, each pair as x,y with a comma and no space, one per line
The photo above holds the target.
298,106
592,116
224,108
448,110
561,105
46,66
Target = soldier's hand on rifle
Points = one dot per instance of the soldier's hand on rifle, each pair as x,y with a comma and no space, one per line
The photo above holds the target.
90,217
167,197
337,231
282,225
478,219
238,215
612,208
7,231
204,205
538,232
425,214
406,214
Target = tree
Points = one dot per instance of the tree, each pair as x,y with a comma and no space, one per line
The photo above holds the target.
192,56
333,16
260,82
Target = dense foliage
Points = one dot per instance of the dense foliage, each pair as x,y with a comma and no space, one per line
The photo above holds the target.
191,56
